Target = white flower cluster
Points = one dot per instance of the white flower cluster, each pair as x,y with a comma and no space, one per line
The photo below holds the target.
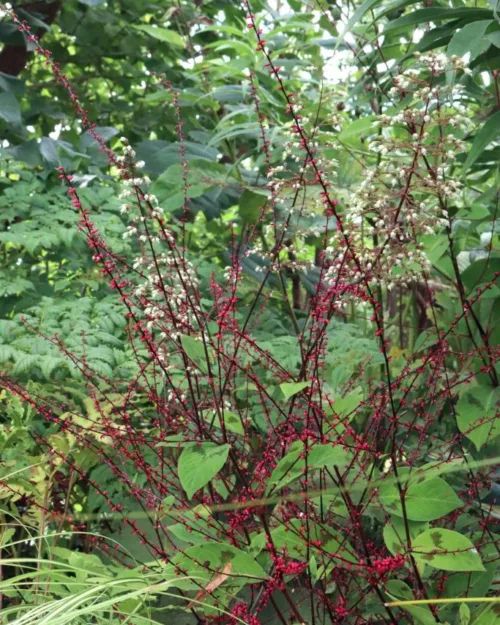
135,188
168,281
404,194
168,291
439,62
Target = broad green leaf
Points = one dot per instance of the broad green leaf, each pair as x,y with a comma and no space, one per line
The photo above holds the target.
247,129
488,615
106,132
198,464
487,133
289,389
480,271
250,205
335,545
494,38
11,83
474,212
313,568
10,111
289,468
435,246
436,14
424,341
48,149
241,48
293,465
160,155
202,176
320,456
400,591
476,584
477,414
292,537
195,526
345,405
202,560
162,34
28,152
395,533
232,422
446,550
357,129
297,534
195,351
425,501
471,39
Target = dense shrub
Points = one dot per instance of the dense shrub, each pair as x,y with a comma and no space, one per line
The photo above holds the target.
249,335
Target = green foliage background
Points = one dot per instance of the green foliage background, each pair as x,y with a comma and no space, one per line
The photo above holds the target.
50,286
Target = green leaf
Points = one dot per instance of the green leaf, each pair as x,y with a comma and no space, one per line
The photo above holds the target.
425,501
6,535
202,176
232,422
162,34
48,149
488,616
489,131
160,155
195,351
436,14
198,464
399,590
202,560
464,613
477,416
446,550
289,468
195,526
10,111
296,535
494,38
320,456
291,537
26,363
471,39
293,465
250,204
395,533
167,503
356,17
289,389
474,212
11,83
424,341
49,365
357,129
247,129
435,246
345,405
